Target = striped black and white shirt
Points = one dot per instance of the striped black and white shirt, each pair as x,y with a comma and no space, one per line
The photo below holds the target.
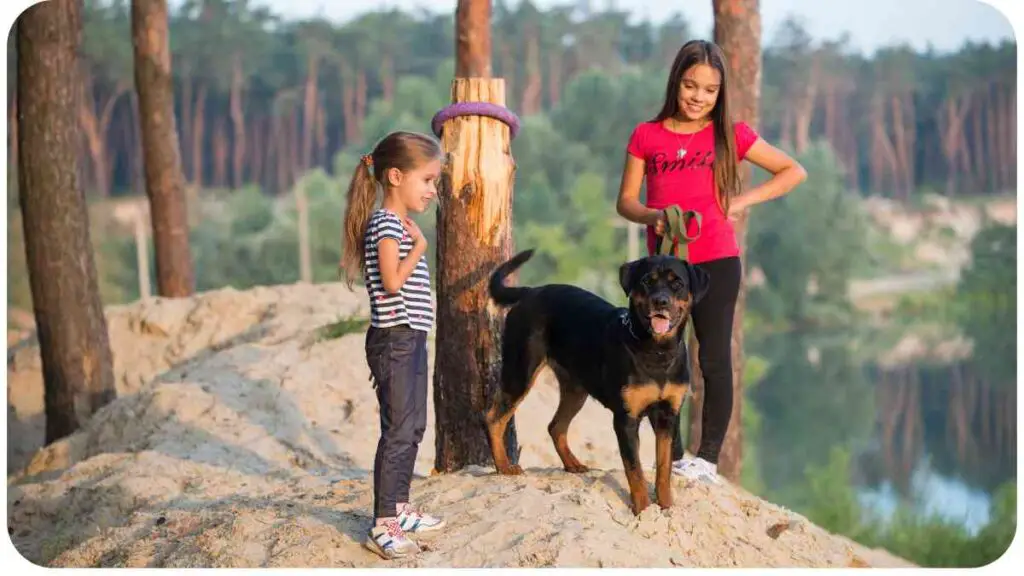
412,305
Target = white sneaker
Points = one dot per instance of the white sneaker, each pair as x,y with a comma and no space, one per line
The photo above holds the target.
696,469
413,520
390,542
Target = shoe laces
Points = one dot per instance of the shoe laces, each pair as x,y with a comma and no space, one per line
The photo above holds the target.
393,529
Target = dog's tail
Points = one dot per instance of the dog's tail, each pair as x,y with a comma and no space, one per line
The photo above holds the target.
508,295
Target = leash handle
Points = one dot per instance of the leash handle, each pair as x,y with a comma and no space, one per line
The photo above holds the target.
676,222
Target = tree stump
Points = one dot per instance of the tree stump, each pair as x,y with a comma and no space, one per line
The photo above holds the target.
474,236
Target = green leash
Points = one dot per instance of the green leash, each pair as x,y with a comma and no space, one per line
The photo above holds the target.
676,220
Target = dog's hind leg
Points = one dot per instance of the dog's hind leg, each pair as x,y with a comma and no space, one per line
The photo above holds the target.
570,402
519,368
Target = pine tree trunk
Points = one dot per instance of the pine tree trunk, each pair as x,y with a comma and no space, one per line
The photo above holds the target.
280,147
12,141
186,120
474,236
1007,131
738,32
256,151
96,128
951,117
387,77
198,124
220,152
786,129
805,110
78,376
554,76
992,132
903,169
533,90
165,183
238,123
360,105
473,39
348,103
320,136
978,146
309,110
295,150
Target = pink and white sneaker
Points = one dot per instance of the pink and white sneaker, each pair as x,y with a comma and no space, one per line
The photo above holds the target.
389,541
415,521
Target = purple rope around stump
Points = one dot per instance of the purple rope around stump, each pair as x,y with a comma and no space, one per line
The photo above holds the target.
495,111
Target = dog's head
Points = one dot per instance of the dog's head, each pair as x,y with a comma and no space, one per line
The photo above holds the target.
661,291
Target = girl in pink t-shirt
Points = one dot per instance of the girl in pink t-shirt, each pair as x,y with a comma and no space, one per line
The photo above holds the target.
689,154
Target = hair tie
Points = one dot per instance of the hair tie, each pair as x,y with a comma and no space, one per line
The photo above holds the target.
368,160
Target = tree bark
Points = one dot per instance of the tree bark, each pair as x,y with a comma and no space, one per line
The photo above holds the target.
256,151
532,91
309,109
992,130
738,32
360,105
387,77
1008,140
165,183
96,126
186,119
78,376
238,123
220,152
903,145
198,124
348,103
474,236
807,96
950,124
473,39
12,141
554,75
978,146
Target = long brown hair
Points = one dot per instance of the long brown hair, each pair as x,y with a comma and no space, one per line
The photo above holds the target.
725,166
401,150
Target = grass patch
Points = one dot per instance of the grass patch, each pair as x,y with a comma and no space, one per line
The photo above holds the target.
341,327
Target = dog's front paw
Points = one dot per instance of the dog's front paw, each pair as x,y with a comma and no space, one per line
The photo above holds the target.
577,468
510,470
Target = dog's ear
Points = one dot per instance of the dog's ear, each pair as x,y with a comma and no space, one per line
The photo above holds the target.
627,275
700,281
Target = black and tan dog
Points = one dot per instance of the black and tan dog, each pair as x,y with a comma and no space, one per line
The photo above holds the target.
632,360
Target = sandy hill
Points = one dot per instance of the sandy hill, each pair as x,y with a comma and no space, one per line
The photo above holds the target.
240,438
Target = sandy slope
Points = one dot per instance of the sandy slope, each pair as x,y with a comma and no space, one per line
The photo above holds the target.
239,439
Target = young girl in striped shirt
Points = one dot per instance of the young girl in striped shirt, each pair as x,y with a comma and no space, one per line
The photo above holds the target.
386,248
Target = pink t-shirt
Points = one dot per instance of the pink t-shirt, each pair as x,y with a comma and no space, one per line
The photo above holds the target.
689,183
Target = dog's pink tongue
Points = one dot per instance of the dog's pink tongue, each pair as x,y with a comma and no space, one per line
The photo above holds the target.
659,325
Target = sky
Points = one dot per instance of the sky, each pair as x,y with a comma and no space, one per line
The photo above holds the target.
944,24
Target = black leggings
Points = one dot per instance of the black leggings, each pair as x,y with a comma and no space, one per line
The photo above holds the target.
712,322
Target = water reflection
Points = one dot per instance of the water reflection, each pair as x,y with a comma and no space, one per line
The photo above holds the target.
937,436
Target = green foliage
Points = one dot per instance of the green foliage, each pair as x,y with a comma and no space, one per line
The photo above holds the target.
584,248
987,300
814,234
